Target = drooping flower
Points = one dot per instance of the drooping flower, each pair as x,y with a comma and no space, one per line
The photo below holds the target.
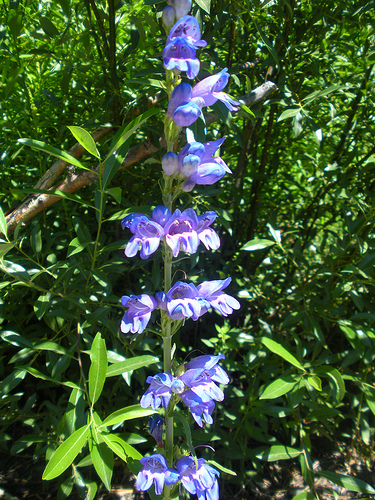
207,235
187,103
182,301
139,312
155,470
221,302
159,392
155,428
201,480
181,45
147,235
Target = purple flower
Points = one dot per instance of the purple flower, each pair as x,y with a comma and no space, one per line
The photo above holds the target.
186,103
155,426
200,409
180,232
208,236
182,42
155,470
147,235
139,312
209,89
169,163
159,392
182,301
181,55
197,163
221,302
168,16
201,481
209,365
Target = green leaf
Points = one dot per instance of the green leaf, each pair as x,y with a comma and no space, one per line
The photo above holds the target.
187,430
128,413
333,374
279,387
62,155
315,382
66,453
15,339
267,43
61,194
92,488
37,374
288,113
348,482
204,5
85,140
322,93
281,351
257,244
3,224
5,247
304,495
48,27
103,460
222,468
98,368
126,131
120,447
130,365
278,452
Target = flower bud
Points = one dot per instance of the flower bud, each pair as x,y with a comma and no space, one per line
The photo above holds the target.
177,387
168,16
182,7
189,165
169,162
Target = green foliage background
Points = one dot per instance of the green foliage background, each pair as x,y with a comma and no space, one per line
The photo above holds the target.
296,221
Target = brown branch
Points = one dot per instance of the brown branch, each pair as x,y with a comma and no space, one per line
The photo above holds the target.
34,204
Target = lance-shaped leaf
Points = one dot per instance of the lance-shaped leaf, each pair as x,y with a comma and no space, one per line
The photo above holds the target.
85,140
128,413
130,365
121,447
279,387
66,453
98,368
62,155
281,351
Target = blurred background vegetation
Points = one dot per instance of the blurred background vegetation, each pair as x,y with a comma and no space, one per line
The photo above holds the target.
296,221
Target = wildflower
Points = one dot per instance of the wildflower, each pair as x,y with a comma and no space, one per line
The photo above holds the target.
180,232
155,426
181,45
201,480
187,102
159,392
221,302
147,235
168,16
138,314
209,364
182,301
169,163
155,470
182,7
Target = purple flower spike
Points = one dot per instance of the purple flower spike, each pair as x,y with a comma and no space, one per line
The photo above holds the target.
147,235
208,236
155,470
201,481
180,232
210,90
221,302
138,314
159,392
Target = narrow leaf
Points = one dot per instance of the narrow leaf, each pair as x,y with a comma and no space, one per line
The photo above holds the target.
3,223
130,365
98,368
121,447
257,244
348,482
128,413
85,140
221,467
278,452
37,374
278,388
103,460
334,375
66,453
62,155
288,113
281,351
